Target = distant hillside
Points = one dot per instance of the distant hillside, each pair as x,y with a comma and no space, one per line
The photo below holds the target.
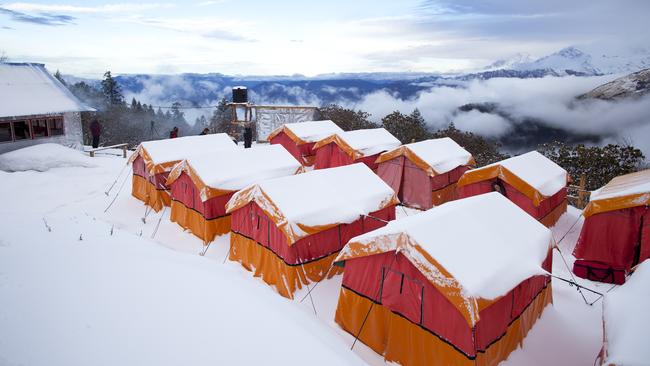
632,85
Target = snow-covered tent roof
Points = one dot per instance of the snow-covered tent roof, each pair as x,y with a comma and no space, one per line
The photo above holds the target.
232,170
627,320
435,156
360,143
625,191
479,247
162,155
531,173
28,89
307,203
306,132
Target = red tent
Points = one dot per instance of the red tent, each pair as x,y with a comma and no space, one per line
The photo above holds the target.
459,284
363,146
532,181
202,185
424,174
289,230
616,233
153,160
299,138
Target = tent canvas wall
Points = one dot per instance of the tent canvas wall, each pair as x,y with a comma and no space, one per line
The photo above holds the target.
299,138
626,320
425,290
201,185
153,160
424,174
532,181
289,230
616,233
350,147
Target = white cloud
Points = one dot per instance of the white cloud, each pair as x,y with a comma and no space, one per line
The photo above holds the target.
484,124
98,9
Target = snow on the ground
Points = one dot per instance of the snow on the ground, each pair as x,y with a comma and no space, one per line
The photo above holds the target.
31,158
129,299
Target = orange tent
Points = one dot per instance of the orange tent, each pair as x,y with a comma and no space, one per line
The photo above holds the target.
363,146
532,181
424,174
616,233
153,160
424,290
299,138
288,230
202,185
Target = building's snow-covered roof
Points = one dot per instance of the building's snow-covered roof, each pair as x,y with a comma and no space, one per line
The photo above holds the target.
163,151
234,169
627,320
367,142
311,131
486,243
441,155
317,198
535,169
28,89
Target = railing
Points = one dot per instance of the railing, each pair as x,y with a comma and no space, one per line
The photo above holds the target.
118,146
578,195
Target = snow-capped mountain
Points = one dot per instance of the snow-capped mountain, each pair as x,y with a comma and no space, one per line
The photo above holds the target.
632,85
572,60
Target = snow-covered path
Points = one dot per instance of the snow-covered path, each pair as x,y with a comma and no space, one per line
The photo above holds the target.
97,290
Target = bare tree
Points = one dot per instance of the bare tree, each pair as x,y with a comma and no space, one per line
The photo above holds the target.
3,56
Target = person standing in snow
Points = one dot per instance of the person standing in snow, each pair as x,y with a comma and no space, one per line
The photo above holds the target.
248,137
95,131
173,133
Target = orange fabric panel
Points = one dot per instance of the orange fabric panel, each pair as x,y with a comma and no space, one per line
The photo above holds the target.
551,219
445,194
286,279
497,171
202,228
146,192
354,154
616,203
399,340
409,154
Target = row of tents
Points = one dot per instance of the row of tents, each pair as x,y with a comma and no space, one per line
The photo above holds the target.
461,283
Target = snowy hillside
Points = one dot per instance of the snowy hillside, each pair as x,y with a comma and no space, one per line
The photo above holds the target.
82,285
573,60
632,85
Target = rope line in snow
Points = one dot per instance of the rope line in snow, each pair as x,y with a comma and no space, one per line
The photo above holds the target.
118,193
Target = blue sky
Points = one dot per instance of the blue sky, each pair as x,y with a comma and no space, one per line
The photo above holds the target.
86,38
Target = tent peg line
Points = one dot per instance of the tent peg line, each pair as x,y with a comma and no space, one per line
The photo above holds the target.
118,193
158,224
116,179
202,254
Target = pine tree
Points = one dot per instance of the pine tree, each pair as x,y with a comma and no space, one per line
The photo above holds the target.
59,77
407,129
220,122
112,91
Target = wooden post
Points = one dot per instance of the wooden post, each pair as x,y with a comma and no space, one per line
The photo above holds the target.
124,151
92,153
582,191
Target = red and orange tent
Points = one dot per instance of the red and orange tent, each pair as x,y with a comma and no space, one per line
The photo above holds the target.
299,138
289,230
153,160
363,146
202,185
532,181
616,233
425,290
424,174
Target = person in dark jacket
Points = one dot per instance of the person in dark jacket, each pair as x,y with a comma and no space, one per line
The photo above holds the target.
95,131
205,131
248,137
173,133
